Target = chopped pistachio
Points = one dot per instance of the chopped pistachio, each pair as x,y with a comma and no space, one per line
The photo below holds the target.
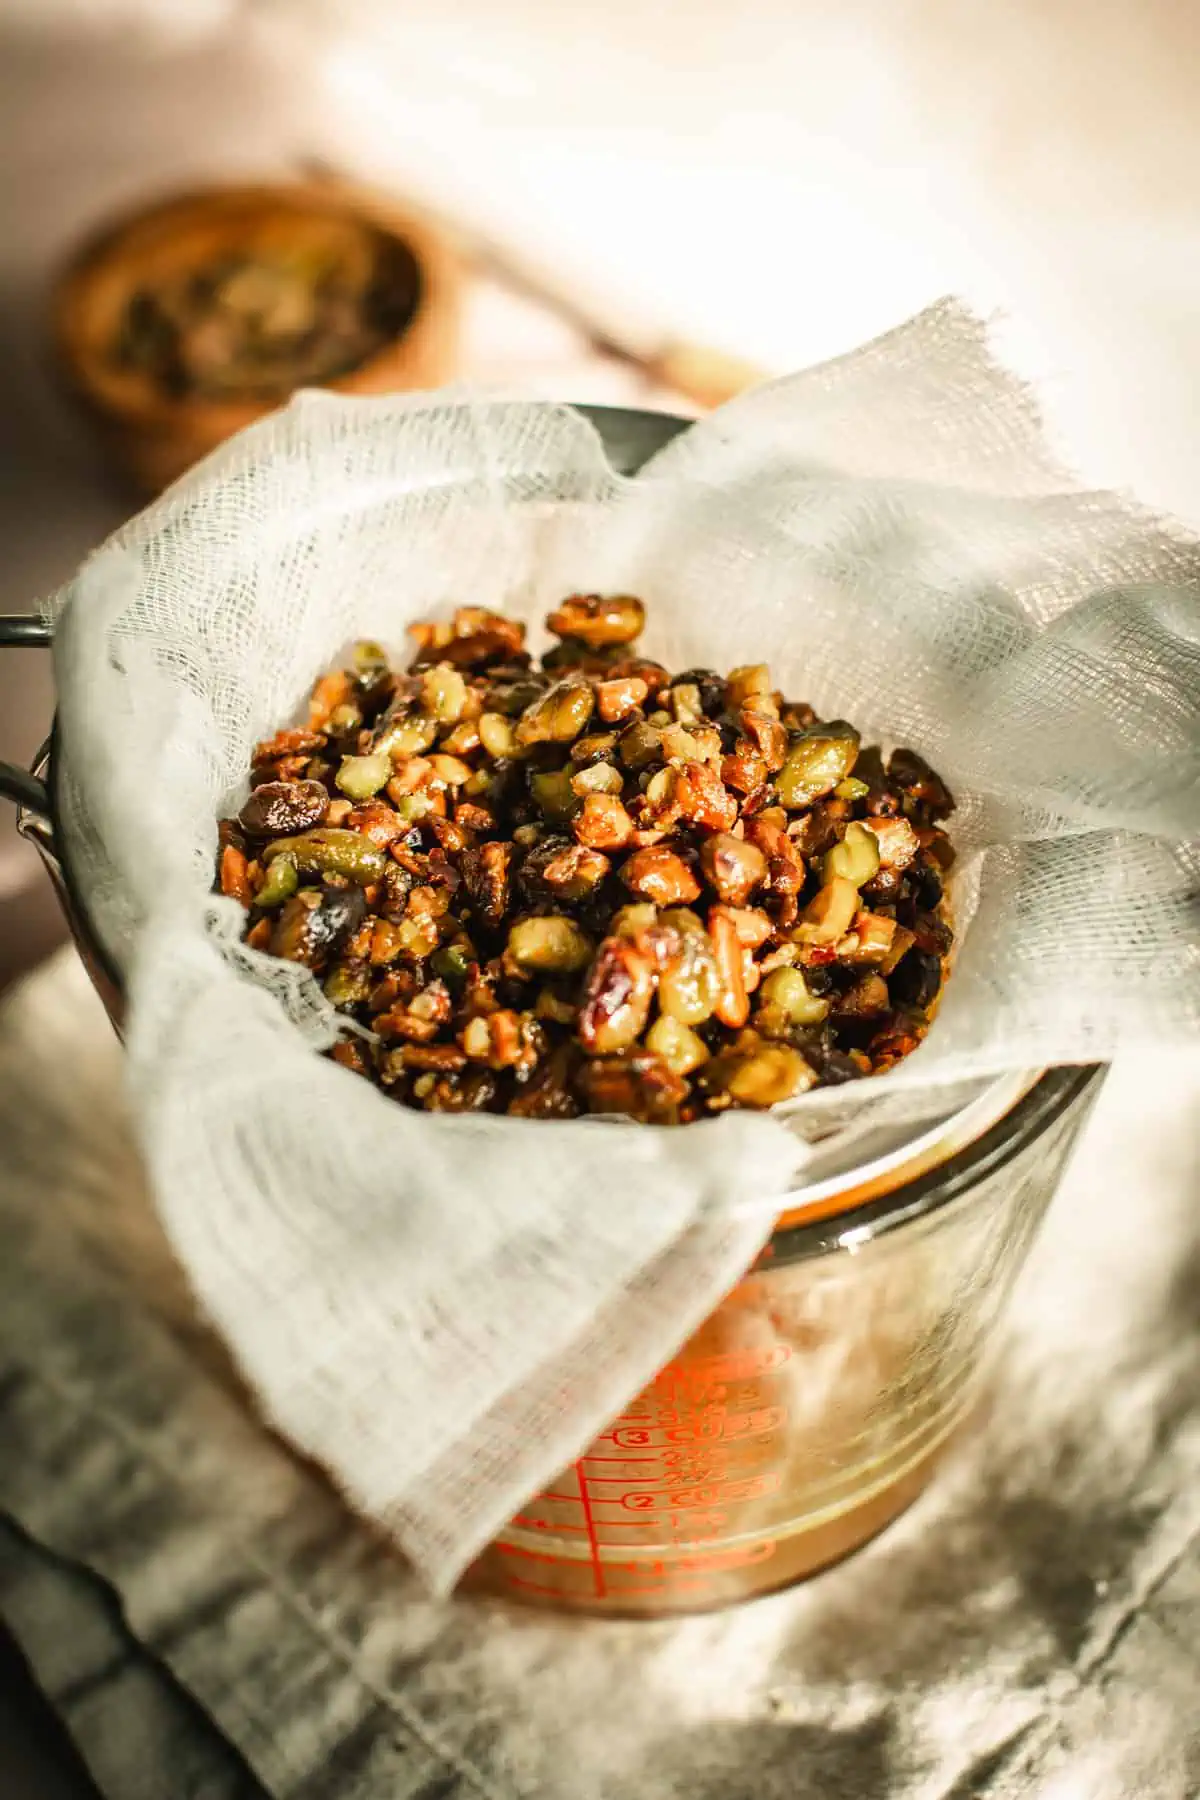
497,736
788,990
359,777
677,1044
856,857
443,693
551,945
598,778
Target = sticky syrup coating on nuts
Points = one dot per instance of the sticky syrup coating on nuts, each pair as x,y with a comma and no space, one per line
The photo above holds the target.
590,885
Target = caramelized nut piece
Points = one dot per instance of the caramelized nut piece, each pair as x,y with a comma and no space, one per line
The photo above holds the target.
733,866
896,839
574,871
550,945
449,771
497,735
449,835
871,939
616,699
733,1004
640,744
752,926
360,777
410,775
689,986
463,740
554,796
868,995
476,637
329,692
744,769
788,990
855,857
616,1002
417,1022
352,1055
405,735
444,1059
486,873
387,942
902,941
474,818
760,1074
828,916
785,868
911,772
598,619
701,795
660,793
750,679
315,923
603,823
504,1040
557,716
548,1095
285,744
692,744
235,879
598,778
660,875
767,735
443,693
638,1084
278,884
330,851
816,763
678,1046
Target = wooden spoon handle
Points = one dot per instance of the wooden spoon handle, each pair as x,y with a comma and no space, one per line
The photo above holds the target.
707,377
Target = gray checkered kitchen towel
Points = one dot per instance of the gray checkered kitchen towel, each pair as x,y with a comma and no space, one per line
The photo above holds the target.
212,1623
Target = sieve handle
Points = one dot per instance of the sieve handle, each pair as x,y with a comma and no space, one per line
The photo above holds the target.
25,632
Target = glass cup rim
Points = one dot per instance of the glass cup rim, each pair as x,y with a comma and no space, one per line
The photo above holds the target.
928,1192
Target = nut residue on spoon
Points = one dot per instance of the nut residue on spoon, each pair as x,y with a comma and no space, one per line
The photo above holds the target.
591,885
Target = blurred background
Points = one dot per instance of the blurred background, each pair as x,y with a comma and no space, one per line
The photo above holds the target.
631,204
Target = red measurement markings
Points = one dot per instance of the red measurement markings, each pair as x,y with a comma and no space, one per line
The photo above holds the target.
732,1365
718,1493
698,1441
540,1588
661,1575
530,1523
590,1525
679,1427
539,1556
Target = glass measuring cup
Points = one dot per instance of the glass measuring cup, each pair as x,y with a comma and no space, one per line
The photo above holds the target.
816,1402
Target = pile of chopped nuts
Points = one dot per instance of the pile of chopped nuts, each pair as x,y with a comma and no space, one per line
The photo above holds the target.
592,886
